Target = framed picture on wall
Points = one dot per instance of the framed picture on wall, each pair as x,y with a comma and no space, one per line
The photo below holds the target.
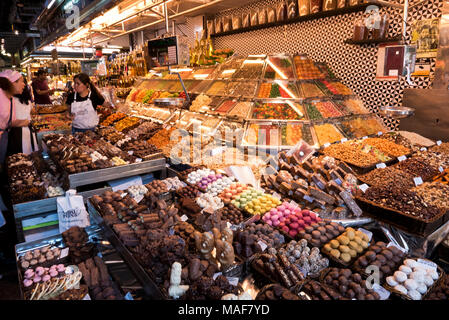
426,35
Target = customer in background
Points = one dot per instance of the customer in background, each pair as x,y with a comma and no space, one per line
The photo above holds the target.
22,140
11,83
41,91
83,104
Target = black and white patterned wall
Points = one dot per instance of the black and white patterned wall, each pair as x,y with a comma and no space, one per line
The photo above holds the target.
323,40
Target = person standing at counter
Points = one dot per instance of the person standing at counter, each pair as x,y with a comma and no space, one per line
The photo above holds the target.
22,140
11,83
83,103
41,91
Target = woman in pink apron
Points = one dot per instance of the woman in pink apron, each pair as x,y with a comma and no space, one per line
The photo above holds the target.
83,104
11,83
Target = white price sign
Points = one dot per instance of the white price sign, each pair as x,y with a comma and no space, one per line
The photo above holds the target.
418,181
381,165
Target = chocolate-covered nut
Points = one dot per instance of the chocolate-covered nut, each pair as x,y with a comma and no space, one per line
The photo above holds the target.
356,277
316,234
370,255
381,258
386,269
363,261
387,254
324,239
376,248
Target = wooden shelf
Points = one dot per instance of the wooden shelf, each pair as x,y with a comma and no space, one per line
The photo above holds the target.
319,15
371,41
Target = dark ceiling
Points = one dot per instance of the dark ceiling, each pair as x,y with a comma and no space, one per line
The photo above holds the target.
18,15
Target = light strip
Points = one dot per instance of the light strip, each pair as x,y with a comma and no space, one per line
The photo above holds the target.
285,89
253,61
291,104
50,4
279,72
229,71
200,76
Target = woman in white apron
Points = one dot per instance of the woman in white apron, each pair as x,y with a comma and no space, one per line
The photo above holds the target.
83,104
23,107
11,83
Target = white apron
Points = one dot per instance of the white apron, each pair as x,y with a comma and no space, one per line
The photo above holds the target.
23,112
85,115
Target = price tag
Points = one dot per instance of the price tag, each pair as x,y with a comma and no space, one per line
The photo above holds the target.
228,224
128,296
87,297
381,165
64,253
441,169
276,195
365,137
427,264
309,198
216,275
262,245
383,293
233,281
184,218
423,149
139,198
131,152
327,145
338,181
418,181
124,194
368,233
344,140
171,231
138,160
364,187
439,143
402,158
391,244
379,133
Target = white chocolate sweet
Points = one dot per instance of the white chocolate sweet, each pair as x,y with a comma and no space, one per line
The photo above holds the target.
433,274
400,276
405,269
391,281
410,284
422,288
428,281
415,295
417,276
401,289
410,263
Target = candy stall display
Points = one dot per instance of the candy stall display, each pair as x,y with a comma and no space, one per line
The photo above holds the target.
278,89
287,110
306,68
292,133
279,67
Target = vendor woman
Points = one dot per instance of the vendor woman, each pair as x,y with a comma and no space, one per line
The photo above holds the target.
11,83
83,104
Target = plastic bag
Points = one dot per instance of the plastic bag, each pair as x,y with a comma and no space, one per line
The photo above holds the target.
315,6
304,7
218,25
281,11
271,15
246,20
227,24
254,18
292,9
341,4
263,16
236,22
71,211
210,27
329,5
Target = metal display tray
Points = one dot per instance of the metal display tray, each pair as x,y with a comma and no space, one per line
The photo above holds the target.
129,170
150,288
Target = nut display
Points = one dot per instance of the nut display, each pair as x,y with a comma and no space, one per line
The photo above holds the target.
389,176
418,167
346,247
256,238
413,278
327,133
387,259
349,284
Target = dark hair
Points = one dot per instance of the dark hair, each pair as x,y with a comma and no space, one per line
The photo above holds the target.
84,78
25,96
40,72
6,85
